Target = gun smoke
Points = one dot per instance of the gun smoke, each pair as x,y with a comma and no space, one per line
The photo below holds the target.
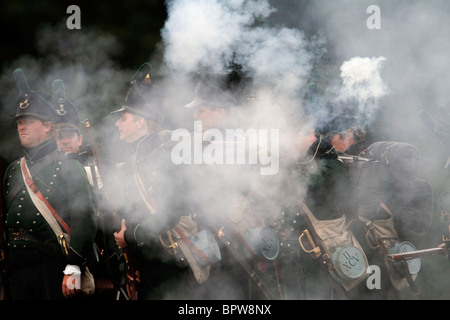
387,76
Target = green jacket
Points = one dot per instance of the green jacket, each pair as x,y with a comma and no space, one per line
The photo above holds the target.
163,184
63,182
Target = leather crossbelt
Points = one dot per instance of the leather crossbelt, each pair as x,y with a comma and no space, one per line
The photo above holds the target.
34,188
199,253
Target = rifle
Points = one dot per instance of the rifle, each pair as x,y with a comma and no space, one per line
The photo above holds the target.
131,282
410,255
404,258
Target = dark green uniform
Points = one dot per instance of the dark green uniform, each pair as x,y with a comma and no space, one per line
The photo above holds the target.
36,260
162,276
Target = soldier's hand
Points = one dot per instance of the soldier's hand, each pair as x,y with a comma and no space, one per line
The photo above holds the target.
136,277
120,237
71,286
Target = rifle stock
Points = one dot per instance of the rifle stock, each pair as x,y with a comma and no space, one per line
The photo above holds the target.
229,243
132,283
129,260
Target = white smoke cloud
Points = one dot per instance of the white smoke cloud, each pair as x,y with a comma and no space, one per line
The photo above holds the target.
204,32
209,34
361,78
390,73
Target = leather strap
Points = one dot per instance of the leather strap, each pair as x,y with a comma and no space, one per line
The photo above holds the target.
29,181
37,167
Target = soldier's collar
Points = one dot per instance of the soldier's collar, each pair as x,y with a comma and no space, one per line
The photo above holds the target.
146,143
40,151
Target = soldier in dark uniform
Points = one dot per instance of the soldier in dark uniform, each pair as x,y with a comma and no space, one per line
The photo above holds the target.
311,173
68,138
68,134
105,264
221,193
41,265
150,193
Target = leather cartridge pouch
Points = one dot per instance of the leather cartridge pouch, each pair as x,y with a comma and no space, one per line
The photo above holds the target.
382,237
339,249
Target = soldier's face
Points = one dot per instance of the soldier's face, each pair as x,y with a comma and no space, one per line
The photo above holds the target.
303,141
130,127
32,131
343,141
69,141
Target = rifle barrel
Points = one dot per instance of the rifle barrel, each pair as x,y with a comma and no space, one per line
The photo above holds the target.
409,255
